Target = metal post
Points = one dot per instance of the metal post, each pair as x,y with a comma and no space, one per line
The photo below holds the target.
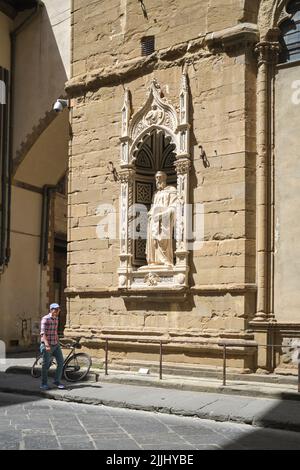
224,364
160,360
298,350
106,356
272,362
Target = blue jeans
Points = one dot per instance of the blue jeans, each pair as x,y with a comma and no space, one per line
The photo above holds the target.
47,355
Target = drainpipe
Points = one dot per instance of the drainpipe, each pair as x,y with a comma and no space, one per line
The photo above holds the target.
4,169
47,192
7,202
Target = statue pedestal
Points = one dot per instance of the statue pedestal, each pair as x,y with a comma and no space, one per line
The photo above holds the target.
158,277
161,268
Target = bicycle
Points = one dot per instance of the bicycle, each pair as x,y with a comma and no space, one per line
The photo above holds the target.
76,365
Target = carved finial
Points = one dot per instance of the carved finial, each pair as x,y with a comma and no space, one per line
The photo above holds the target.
184,99
126,112
155,88
184,80
184,69
127,97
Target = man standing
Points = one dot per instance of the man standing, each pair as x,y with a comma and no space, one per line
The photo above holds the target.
50,347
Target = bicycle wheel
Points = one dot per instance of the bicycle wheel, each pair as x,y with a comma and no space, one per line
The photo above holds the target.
36,369
77,367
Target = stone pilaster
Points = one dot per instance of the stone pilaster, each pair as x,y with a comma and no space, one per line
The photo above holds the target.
126,242
267,53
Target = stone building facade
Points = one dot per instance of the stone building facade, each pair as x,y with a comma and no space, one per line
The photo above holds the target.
201,90
34,62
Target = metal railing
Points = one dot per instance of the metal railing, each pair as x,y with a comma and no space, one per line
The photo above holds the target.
159,342
272,348
222,344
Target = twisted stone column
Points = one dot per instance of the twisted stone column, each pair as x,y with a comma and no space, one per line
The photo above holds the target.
126,243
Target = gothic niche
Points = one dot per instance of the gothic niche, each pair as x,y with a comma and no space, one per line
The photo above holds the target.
154,177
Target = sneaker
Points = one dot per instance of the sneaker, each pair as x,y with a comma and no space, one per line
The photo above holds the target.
45,387
59,385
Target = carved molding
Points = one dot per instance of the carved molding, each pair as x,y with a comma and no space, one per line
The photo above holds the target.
152,279
280,13
271,14
155,113
183,166
126,113
284,16
126,176
267,52
233,37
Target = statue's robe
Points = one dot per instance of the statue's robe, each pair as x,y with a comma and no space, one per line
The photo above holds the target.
161,220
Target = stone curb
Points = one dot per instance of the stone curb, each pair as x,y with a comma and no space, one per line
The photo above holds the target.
92,376
237,389
256,421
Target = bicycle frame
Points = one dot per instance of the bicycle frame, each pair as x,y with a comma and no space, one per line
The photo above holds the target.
69,357
71,353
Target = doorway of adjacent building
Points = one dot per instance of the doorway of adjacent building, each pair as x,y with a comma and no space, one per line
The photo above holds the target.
60,279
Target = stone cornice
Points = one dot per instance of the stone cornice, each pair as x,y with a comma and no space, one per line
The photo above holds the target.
178,55
129,69
91,292
226,38
197,290
223,288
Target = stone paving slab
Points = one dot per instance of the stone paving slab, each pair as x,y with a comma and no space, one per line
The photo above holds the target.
262,412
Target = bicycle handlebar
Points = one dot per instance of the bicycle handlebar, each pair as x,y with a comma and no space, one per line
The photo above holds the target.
75,344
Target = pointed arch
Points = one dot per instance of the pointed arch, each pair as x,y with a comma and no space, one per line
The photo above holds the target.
271,15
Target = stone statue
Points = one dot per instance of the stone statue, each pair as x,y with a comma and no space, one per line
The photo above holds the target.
154,115
161,220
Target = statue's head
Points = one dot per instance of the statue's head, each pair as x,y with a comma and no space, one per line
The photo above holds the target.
161,179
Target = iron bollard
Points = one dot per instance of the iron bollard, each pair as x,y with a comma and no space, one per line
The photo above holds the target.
106,356
160,360
224,364
298,348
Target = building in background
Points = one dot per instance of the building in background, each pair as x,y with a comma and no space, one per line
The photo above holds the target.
208,92
35,62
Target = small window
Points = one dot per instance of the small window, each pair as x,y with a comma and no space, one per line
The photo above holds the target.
148,45
290,29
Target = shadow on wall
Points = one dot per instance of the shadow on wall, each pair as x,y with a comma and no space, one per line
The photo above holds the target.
41,70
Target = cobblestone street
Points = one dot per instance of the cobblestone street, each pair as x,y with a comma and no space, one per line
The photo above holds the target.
31,423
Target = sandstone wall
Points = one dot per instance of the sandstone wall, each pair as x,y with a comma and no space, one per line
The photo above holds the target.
108,32
222,98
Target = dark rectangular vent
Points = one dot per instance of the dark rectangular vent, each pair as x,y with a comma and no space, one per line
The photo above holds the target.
148,45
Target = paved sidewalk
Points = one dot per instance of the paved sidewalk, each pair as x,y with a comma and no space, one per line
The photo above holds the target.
175,395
